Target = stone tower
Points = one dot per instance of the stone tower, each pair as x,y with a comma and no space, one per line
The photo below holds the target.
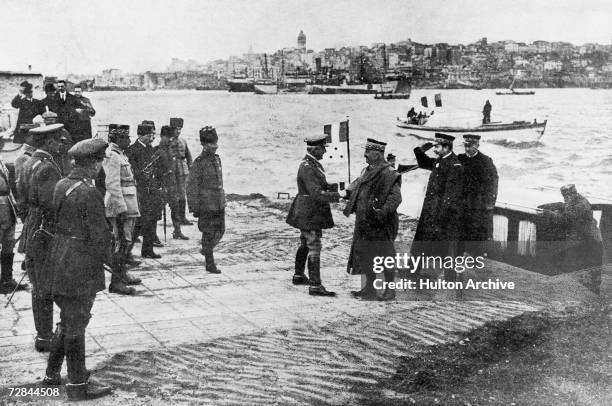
301,40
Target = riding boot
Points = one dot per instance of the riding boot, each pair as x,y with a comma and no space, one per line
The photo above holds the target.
178,234
210,260
182,210
314,274
56,358
7,283
127,278
79,387
301,256
117,284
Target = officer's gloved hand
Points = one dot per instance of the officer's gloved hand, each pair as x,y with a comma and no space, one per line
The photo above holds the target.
196,214
427,146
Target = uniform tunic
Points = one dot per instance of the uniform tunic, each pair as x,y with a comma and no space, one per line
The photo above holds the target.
147,182
8,214
206,197
479,196
121,194
182,162
440,221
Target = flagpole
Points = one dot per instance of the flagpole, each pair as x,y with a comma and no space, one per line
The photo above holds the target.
348,148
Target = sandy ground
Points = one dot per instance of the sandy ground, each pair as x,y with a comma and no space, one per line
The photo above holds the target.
248,336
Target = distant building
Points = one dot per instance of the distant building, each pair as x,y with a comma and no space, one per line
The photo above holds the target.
301,40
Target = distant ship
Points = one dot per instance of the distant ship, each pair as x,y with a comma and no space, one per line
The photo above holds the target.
265,86
241,83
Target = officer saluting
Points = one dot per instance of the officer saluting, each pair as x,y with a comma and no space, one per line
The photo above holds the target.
310,213
206,197
78,251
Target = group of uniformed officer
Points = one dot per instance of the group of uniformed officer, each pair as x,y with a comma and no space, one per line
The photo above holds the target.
76,226
456,217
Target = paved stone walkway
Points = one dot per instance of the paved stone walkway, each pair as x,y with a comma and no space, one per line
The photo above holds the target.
248,336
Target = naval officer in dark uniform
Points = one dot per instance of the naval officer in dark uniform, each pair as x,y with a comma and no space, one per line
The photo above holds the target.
206,197
311,213
439,225
479,196
81,245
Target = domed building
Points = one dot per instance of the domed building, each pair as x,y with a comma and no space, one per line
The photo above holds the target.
301,40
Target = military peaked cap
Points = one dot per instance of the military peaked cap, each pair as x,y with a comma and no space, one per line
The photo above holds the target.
176,122
167,131
94,148
208,135
145,129
149,122
444,139
48,131
316,140
119,129
471,137
375,145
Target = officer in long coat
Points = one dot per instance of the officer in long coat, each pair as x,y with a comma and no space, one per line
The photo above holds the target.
311,213
121,204
21,195
166,171
439,225
182,163
479,195
29,108
8,220
143,159
374,198
78,251
206,197
41,173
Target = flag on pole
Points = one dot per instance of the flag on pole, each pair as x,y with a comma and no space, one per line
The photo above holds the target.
438,99
337,159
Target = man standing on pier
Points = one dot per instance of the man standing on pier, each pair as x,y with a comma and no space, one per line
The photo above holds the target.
121,204
143,159
374,198
311,213
440,221
84,114
479,196
41,173
486,113
29,108
77,254
66,105
206,197
182,156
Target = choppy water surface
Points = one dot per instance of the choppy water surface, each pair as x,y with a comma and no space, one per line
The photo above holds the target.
261,136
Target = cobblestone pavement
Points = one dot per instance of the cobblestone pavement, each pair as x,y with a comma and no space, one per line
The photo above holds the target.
248,336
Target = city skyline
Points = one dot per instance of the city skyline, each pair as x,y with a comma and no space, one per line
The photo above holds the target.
68,36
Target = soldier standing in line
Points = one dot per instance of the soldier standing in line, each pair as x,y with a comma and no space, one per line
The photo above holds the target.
21,195
439,225
479,196
374,198
62,158
78,251
8,220
121,203
180,152
206,196
311,213
29,108
143,159
41,173
166,168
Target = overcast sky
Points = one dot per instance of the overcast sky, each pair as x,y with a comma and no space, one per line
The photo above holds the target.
86,36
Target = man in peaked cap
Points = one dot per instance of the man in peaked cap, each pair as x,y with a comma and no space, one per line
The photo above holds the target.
8,220
311,213
182,156
77,255
121,203
479,196
439,225
206,196
374,198
29,108
167,173
144,161
40,174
